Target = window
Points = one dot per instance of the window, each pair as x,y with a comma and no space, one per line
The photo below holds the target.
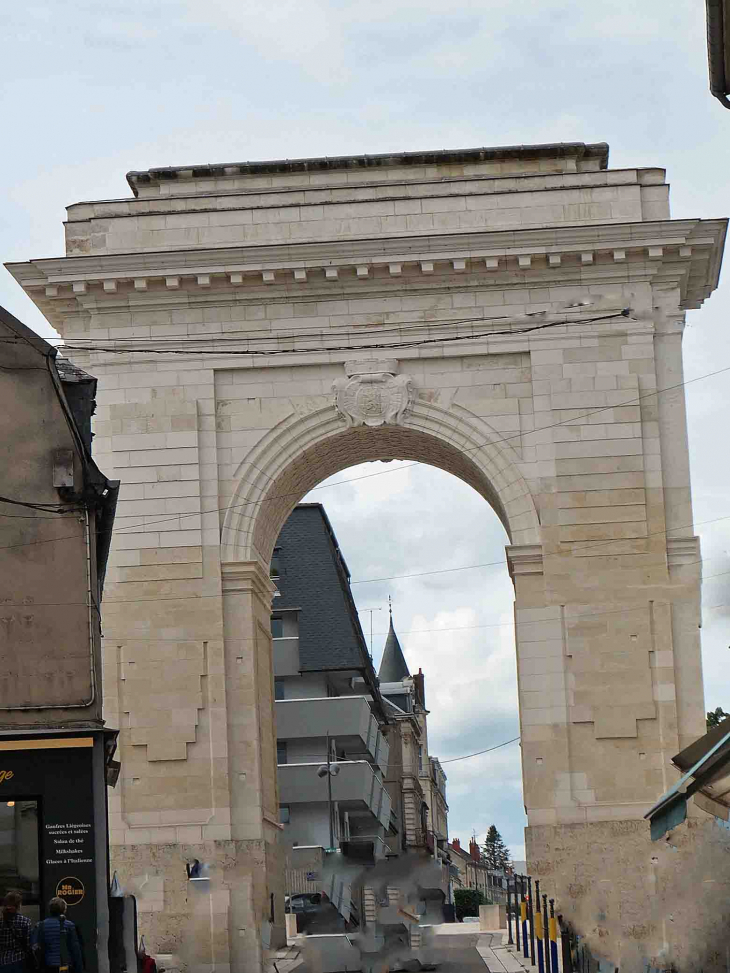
281,757
274,569
277,627
284,816
19,862
279,689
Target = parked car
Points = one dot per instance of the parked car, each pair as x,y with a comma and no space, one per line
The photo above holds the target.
314,912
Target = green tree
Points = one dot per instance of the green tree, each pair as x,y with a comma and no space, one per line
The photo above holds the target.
495,853
467,902
715,717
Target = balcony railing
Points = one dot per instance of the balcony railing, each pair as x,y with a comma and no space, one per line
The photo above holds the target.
341,716
356,787
286,656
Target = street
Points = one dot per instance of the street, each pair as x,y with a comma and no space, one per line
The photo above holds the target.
458,952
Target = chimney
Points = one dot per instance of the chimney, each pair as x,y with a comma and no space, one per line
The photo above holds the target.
419,688
474,850
456,843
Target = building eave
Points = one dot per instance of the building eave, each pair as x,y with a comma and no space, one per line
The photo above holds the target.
441,157
688,252
718,49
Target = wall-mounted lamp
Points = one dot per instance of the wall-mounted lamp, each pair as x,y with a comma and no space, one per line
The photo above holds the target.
196,871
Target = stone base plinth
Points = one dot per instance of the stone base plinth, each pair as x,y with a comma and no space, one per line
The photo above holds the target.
492,917
635,901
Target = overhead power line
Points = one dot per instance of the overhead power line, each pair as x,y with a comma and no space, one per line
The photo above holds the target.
466,756
411,343
143,527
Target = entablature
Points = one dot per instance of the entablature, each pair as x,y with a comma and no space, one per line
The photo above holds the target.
686,253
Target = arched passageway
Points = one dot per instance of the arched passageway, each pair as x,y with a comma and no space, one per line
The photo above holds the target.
300,452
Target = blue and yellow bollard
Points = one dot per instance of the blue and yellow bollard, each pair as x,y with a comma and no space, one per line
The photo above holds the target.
553,937
523,915
546,940
538,929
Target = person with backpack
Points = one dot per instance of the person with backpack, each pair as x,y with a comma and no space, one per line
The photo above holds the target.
15,929
57,941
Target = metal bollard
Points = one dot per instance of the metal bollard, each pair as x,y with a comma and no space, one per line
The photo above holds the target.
546,939
510,941
553,937
538,930
523,908
531,917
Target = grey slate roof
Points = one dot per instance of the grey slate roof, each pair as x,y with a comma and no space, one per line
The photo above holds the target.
313,578
393,666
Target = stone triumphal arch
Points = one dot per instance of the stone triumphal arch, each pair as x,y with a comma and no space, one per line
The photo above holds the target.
512,315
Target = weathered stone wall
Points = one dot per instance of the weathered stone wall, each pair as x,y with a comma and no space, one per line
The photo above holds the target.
48,563
651,902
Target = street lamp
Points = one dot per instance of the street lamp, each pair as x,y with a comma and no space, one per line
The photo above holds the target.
329,770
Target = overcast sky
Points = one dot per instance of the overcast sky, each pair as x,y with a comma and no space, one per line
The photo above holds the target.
93,89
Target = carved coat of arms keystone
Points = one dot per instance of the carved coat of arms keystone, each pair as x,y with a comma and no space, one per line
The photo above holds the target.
372,394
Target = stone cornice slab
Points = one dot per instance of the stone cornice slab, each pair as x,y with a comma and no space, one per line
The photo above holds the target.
248,577
524,559
552,150
683,550
689,250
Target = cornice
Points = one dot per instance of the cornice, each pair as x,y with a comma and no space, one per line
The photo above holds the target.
683,550
687,252
552,150
222,198
249,577
524,559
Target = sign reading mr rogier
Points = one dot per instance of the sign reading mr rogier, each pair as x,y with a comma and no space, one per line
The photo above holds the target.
59,778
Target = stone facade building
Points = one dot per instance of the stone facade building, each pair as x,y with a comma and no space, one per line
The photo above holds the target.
512,315
325,688
416,782
470,872
56,518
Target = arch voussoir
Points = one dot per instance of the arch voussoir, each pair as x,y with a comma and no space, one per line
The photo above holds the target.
300,451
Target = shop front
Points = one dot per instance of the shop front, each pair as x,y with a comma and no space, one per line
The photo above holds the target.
53,838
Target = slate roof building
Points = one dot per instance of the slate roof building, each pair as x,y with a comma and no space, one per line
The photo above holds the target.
387,789
325,688
416,781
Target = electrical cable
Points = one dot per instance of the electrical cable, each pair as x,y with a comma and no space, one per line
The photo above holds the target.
365,347
44,507
318,757
656,392
396,577
499,441
414,631
389,327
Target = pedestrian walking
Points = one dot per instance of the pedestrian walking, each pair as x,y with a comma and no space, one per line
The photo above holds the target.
15,948
58,942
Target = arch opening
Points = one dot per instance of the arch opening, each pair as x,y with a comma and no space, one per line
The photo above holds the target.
300,453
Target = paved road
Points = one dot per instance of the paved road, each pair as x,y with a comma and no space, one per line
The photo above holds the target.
456,953
453,954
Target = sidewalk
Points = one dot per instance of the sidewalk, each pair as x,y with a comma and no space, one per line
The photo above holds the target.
497,956
283,960
501,958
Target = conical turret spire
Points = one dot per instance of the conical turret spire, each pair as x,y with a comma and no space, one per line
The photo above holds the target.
393,666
